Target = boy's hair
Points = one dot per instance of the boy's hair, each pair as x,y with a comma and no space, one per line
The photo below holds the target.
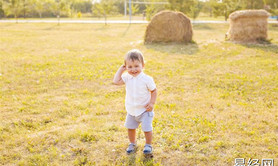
134,55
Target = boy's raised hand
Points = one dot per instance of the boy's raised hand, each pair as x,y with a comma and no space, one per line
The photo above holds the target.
117,78
123,67
149,107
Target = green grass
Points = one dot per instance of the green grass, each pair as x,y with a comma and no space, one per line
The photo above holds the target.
217,100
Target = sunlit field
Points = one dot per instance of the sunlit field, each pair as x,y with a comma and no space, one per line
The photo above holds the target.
217,101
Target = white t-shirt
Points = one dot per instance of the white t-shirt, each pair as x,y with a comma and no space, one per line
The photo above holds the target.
137,92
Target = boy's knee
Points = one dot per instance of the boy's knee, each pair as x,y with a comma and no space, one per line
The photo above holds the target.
147,132
147,127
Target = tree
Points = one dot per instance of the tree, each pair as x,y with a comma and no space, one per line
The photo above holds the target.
25,7
253,4
134,9
103,8
211,4
154,7
150,11
38,6
79,6
218,9
119,6
189,7
271,6
226,7
72,4
195,9
58,7
181,5
2,13
13,7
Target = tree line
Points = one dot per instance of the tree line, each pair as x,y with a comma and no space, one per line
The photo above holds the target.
105,8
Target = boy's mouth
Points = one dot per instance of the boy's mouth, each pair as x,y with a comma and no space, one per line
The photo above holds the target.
134,73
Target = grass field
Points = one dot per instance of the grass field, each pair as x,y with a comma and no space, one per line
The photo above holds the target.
217,100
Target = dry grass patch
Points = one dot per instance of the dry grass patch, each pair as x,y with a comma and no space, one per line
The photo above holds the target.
217,100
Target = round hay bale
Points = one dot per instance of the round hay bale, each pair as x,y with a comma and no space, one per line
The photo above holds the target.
169,26
248,26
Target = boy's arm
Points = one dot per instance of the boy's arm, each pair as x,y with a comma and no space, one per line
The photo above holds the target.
117,78
150,105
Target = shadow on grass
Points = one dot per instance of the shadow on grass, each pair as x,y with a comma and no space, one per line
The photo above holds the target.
174,48
124,33
201,26
273,27
264,47
103,27
148,161
52,27
131,159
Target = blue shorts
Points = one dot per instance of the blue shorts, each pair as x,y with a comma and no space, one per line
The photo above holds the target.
146,118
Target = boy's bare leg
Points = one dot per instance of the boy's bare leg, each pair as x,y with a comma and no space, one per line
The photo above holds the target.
131,135
148,136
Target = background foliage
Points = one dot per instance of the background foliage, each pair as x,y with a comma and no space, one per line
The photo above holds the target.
105,8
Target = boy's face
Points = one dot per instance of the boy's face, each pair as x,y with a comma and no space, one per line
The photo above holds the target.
134,68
